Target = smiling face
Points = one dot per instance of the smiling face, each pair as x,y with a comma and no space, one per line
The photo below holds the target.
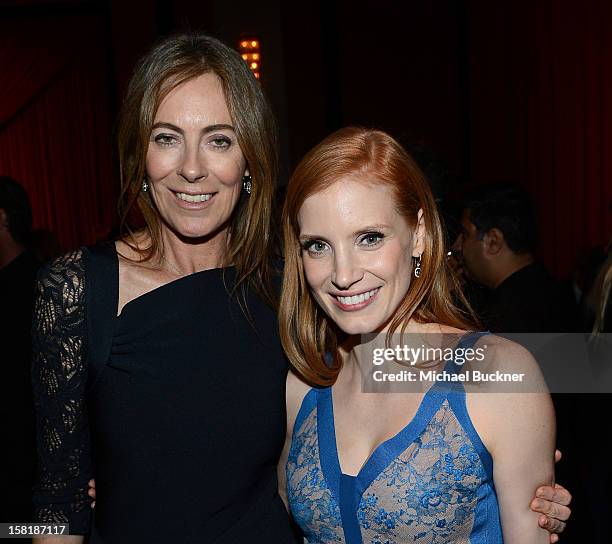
194,163
357,253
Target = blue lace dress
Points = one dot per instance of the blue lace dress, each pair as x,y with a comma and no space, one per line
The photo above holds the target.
431,483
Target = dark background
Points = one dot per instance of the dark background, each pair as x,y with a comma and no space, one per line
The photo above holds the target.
498,91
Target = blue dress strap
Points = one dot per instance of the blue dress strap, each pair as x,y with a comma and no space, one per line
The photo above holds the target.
308,403
467,341
456,399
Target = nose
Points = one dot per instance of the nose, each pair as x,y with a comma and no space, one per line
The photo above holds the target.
347,271
193,167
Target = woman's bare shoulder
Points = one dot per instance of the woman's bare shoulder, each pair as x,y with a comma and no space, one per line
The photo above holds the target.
504,354
129,249
296,387
137,276
512,403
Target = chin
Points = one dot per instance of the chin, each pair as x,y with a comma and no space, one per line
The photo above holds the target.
357,327
191,235
350,322
194,232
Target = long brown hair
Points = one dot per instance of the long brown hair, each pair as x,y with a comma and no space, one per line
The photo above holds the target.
307,334
173,61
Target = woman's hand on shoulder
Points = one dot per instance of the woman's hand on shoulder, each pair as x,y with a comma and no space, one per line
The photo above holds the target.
552,502
91,491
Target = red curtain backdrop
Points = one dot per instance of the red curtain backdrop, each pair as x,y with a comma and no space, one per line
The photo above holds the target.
533,103
55,123
540,111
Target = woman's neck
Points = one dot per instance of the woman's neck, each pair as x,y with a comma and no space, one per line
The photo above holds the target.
184,256
357,351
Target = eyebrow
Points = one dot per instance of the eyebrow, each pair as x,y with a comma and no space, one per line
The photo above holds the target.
368,228
209,128
305,237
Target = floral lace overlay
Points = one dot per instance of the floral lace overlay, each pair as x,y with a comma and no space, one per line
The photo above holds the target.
59,378
312,504
437,490
428,494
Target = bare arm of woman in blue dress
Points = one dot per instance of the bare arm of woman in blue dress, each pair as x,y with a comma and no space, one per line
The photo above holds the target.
518,429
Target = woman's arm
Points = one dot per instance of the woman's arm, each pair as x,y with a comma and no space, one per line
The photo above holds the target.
518,429
522,461
59,380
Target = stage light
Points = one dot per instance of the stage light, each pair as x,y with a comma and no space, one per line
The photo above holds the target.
249,48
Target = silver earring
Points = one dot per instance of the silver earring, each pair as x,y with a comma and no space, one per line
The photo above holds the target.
247,183
417,268
145,185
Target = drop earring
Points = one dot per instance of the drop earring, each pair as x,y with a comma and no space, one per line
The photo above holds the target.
247,183
417,268
145,185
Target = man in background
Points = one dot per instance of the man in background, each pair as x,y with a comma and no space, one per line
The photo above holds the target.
18,267
497,242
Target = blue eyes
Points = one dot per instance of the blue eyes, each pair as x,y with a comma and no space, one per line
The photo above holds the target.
369,240
314,247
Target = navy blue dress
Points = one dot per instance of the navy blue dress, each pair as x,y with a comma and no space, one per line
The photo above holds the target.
184,425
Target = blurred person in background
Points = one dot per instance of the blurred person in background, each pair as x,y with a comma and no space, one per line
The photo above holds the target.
18,266
597,301
44,245
496,249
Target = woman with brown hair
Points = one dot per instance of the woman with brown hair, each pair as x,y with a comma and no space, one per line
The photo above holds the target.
157,365
439,463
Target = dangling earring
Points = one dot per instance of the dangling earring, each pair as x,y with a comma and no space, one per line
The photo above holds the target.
145,185
417,268
247,183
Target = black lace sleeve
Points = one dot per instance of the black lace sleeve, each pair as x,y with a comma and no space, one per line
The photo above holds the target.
59,378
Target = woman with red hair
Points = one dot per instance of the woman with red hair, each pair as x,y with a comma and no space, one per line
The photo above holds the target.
365,260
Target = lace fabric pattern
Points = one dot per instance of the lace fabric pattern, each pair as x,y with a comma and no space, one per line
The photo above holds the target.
312,504
428,494
59,379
